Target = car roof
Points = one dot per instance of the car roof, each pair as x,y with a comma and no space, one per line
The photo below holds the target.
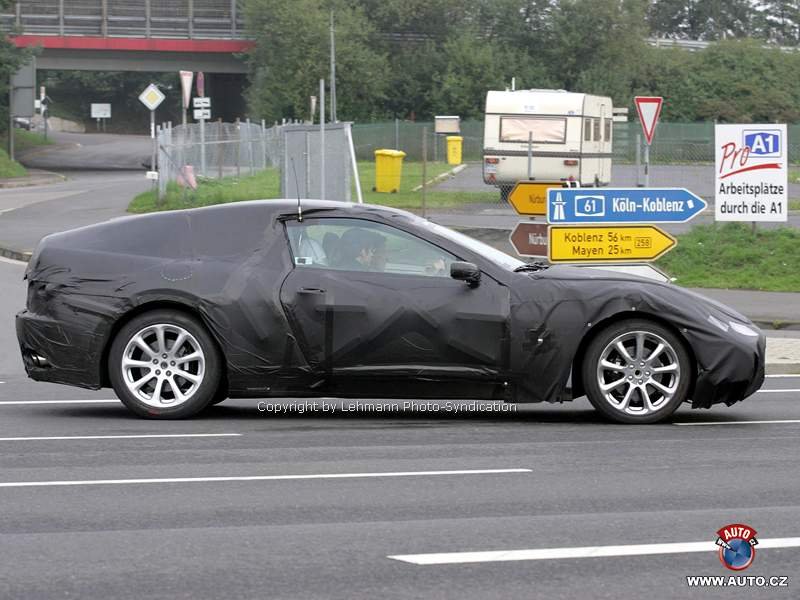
289,207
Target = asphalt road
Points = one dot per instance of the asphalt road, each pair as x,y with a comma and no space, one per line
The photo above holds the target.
335,494
97,151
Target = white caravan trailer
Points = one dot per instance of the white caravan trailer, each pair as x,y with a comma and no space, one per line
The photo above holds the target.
569,133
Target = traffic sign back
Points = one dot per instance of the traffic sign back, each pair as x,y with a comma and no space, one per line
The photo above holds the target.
530,197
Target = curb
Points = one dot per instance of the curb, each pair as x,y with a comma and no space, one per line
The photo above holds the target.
15,254
39,177
451,173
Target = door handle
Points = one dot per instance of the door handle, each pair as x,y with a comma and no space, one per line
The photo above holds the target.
310,291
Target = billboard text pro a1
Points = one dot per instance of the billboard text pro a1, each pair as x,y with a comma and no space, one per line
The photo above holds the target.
751,173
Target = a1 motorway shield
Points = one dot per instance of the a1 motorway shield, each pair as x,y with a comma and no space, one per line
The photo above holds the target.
622,205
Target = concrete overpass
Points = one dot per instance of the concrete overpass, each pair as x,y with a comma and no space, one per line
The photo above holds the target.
129,35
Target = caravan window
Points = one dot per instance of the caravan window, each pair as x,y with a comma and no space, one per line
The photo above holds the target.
608,130
597,137
545,130
587,130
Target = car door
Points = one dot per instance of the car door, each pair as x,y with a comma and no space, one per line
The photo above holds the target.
368,299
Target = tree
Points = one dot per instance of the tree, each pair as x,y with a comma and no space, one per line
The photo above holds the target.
11,59
291,55
702,19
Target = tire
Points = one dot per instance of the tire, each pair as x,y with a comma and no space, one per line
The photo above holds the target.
181,382
505,192
221,394
647,383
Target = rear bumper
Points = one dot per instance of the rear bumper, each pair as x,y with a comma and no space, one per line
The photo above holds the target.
56,353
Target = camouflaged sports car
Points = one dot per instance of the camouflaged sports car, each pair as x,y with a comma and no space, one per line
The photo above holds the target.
179,310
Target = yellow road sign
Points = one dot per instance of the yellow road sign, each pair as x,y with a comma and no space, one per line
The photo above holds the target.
530,197
616,243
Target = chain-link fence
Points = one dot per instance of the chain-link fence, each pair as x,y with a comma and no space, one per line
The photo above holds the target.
682,154
304,159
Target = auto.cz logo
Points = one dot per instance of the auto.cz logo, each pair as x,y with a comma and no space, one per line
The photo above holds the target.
737,546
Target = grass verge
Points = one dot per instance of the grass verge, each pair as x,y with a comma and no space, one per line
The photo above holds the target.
266,185
25,140
731,256
10,168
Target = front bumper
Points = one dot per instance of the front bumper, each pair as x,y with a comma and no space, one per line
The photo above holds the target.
58,353
736,373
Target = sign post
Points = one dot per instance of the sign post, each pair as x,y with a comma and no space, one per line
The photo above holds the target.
202,111
152,97
751,173
649,110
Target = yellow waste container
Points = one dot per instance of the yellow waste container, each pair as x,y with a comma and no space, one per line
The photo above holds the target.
454,149
388,168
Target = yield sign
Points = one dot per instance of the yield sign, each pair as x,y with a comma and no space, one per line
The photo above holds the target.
649,109
186,86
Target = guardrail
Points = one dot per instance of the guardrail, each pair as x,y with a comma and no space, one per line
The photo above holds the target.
171,19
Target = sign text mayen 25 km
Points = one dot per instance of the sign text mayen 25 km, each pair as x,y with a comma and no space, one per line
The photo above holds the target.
622,205
751,174
615,243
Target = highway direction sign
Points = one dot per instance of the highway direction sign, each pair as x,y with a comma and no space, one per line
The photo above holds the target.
529,239
151,97
530,197
622,205
649,109
620,243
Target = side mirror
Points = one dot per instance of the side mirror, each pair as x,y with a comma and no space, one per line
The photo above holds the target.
466,271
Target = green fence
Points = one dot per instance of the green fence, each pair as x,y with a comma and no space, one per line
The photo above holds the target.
674,142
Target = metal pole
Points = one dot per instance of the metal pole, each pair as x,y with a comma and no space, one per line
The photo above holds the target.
530,154
264,143
238,148
44,118
147,18
104,23
220,148
333,73
638,160
10,123
396,133
203,147
424,168
153,165
354,162
60,17
233,17
250,147
322,139
647,165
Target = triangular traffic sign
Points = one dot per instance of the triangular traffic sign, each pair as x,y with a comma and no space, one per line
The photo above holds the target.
649,109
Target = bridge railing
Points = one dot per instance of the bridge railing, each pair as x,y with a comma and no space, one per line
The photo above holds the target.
174,19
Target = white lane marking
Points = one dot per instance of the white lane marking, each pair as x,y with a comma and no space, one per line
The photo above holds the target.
117,437
777,421
16,484
22,402
777,375
777,391
12,261
451,558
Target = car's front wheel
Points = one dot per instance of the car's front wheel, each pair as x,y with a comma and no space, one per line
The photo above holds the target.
636,371
164,364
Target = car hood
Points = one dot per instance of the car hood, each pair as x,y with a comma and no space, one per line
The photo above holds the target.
598,279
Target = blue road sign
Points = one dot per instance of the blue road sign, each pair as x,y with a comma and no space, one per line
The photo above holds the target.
622,205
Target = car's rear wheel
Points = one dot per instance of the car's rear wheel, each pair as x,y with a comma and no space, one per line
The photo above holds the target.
164,364
636,371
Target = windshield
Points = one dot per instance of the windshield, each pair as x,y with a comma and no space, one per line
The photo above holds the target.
488,252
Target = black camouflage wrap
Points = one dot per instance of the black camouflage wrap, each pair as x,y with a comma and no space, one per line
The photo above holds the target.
516,336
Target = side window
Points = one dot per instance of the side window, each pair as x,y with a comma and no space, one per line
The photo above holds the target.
608,130
587,130
597,137
359,245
